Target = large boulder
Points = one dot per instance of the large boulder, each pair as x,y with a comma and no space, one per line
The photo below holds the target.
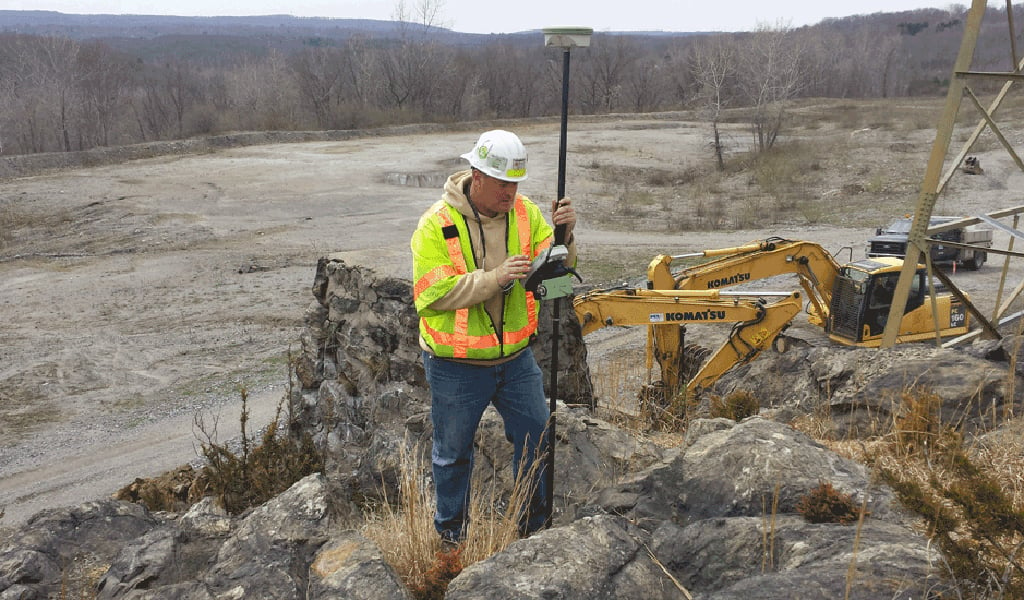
595,558
723,517
739,471
288,548
785,557
57,543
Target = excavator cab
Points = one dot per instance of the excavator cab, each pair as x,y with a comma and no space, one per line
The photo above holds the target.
863,294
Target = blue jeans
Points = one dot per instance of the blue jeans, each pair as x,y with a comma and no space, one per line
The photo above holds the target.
459,394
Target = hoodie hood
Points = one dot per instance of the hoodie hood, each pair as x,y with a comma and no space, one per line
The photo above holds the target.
455,192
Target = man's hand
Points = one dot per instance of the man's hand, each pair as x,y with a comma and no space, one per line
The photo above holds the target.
562,213
514,267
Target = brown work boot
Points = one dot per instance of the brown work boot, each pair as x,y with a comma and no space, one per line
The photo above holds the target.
448,545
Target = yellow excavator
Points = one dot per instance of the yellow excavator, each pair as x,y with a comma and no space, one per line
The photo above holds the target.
850,302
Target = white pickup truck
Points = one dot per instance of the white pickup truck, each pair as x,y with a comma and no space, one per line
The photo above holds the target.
892,241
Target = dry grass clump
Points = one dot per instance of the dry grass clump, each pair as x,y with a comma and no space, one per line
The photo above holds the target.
737,406
970,497
826,504
404,530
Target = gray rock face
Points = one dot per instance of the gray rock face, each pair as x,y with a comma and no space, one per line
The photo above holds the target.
753,557
861,388
715,516
352,567
286,548
36,556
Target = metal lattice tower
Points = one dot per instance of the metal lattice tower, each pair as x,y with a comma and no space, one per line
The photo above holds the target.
935,180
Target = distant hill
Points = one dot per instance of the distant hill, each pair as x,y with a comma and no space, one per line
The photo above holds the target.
146,26
75,26
83,27
72,82
222,39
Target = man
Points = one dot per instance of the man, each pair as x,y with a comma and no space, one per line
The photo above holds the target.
471,252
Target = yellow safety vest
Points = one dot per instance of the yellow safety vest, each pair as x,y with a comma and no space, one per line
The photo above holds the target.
443,254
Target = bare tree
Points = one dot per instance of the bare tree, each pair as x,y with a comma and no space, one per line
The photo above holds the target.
713,63
180,92
510,77
415,67
604,71
643,85
40,81
105,86
769,76
317,72
359,76
425,13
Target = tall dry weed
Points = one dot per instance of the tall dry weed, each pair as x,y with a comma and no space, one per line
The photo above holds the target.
404,530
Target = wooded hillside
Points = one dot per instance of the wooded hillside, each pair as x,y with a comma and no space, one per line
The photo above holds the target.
73,82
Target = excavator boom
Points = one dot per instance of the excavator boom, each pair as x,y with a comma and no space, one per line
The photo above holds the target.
756,324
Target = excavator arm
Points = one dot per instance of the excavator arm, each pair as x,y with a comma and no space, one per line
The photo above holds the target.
814,266
755,325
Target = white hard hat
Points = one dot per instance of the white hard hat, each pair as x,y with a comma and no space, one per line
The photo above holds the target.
499,154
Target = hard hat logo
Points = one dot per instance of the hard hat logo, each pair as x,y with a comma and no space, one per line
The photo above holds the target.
497,162
495,151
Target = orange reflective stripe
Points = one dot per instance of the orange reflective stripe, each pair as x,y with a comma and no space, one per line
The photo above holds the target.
454,247
463,343
541,247
455,252
461,346
514,337
436,274
523,227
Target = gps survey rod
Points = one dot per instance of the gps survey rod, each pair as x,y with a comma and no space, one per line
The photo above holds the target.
565,38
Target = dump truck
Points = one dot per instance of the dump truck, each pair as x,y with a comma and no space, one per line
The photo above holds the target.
892,241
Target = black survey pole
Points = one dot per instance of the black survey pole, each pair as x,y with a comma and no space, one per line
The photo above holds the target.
564,38
560,229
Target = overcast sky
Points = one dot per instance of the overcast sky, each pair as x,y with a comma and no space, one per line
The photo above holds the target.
480,16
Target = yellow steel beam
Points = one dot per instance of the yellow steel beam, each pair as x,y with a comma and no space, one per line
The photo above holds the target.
916,239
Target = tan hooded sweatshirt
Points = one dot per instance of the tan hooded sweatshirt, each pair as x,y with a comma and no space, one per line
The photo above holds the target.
480,285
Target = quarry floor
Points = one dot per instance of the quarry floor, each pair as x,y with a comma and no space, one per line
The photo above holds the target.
139,297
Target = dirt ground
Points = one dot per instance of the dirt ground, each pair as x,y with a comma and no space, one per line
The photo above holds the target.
135,297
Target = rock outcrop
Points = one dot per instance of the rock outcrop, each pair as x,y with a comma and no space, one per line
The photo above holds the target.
714,516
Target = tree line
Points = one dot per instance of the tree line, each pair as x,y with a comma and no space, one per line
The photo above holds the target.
60,94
